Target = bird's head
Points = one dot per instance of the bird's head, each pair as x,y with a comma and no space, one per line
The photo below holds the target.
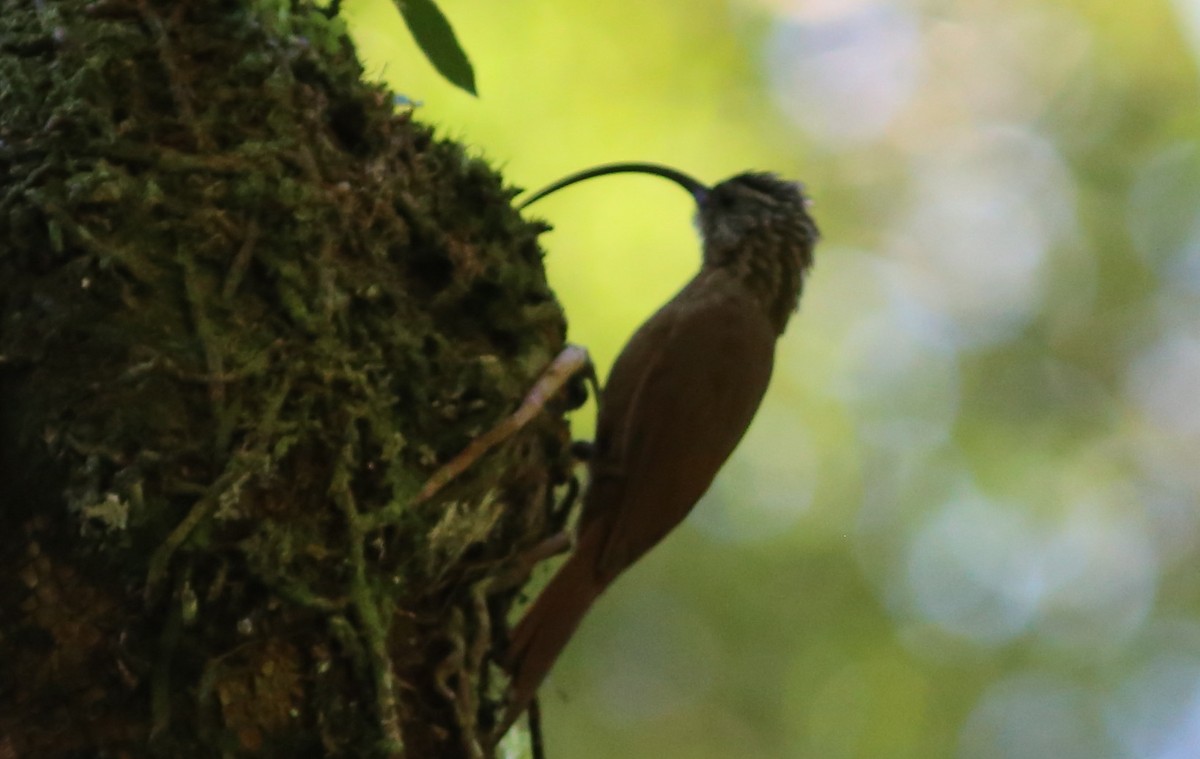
758,226
754,225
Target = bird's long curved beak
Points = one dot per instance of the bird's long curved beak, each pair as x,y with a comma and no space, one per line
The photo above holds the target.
696,188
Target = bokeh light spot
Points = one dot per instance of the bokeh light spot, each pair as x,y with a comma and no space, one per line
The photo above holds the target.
973,571
1101,575
1033,716
844,77
986,212
1164,219
1164,382
1155,714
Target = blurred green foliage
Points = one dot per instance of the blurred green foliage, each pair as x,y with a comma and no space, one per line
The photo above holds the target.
965,523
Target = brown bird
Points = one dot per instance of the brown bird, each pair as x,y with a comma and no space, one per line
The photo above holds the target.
679,398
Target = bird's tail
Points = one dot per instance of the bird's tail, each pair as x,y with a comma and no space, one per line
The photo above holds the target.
546,627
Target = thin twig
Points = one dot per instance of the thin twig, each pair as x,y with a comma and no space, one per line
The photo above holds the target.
572,359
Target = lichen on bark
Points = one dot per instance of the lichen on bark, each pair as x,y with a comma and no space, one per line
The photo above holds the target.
246,309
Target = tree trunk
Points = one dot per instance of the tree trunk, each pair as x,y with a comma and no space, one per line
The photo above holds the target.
246,310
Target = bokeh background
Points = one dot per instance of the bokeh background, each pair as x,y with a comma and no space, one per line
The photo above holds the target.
965,521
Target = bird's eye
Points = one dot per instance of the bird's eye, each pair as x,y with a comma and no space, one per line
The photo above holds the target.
725,201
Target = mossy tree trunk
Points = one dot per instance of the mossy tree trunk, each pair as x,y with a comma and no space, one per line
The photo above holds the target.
246,310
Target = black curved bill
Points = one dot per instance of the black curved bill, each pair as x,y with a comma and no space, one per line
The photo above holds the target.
696,188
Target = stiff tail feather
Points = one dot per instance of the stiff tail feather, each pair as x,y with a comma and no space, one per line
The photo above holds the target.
546,627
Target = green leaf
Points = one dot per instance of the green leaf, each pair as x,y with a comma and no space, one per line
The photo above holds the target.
436,39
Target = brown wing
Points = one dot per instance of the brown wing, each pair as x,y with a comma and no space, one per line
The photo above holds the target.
678,400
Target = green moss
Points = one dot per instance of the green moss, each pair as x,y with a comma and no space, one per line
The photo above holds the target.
245,310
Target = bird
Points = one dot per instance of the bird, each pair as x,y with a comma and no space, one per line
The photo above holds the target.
677,400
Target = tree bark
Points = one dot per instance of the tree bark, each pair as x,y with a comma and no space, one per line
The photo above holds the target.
246,310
